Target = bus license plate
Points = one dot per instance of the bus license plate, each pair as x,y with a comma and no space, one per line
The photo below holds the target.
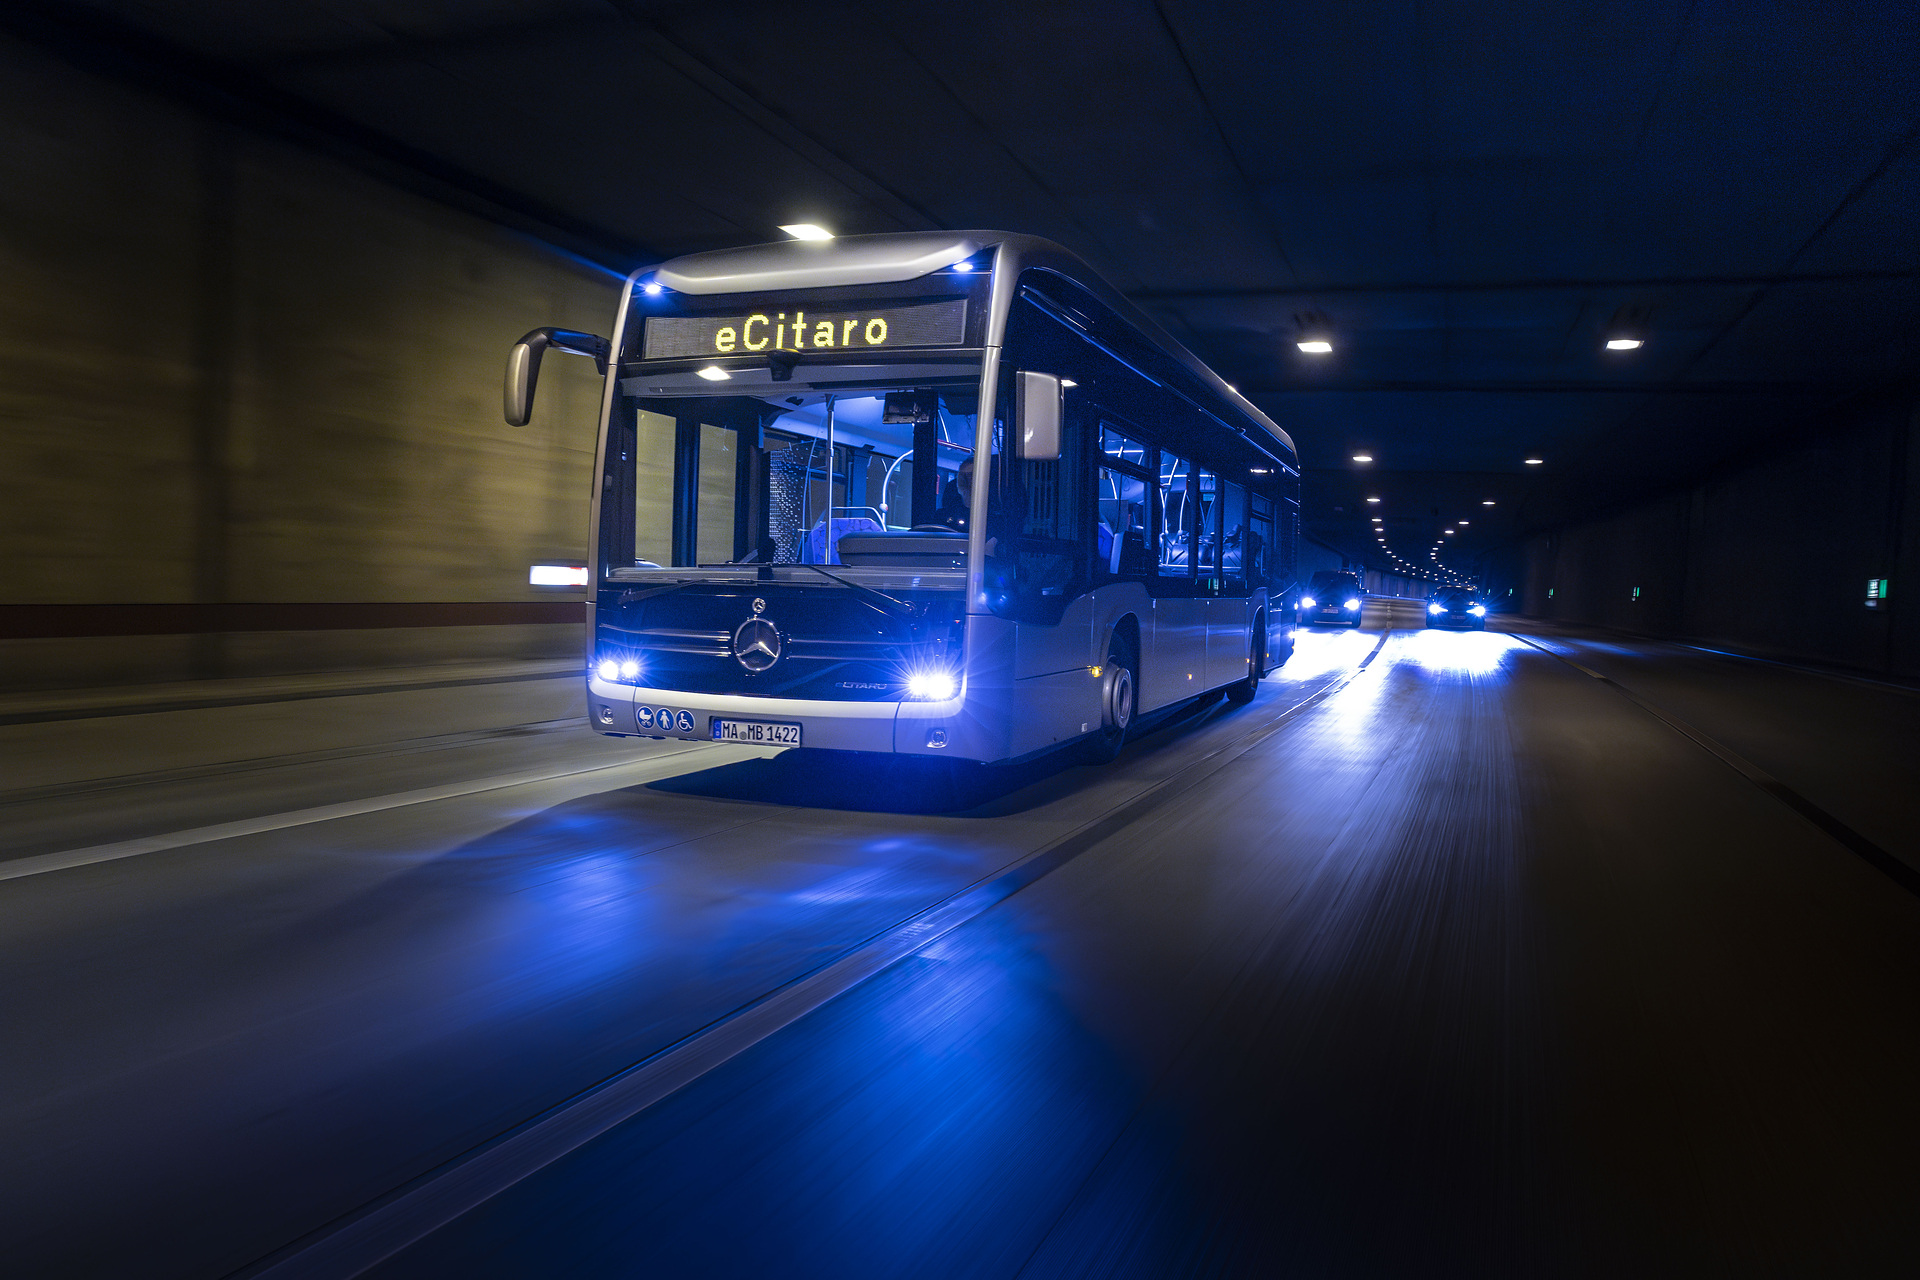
756,733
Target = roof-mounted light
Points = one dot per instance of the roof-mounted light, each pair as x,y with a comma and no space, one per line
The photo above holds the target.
807,231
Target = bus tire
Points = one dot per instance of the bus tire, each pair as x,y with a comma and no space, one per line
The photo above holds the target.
1241,692
1119,701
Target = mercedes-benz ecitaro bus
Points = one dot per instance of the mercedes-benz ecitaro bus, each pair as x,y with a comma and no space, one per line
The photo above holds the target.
934,494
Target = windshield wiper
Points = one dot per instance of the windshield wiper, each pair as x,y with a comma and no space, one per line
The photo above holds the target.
898,607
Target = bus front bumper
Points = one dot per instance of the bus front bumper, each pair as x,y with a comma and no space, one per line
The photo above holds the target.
915,728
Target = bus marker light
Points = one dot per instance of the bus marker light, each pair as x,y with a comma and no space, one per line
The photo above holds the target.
807,231
557,575
714,373
652,288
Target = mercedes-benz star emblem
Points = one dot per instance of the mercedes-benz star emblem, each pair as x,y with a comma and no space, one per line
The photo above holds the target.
756,644
759,606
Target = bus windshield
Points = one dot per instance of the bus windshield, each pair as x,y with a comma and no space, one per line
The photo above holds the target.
862,476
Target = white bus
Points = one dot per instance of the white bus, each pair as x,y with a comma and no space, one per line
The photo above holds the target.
939,494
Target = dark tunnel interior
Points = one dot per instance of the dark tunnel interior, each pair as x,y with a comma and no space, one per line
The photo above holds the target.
1130,639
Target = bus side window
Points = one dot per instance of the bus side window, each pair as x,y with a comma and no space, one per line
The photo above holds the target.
1233,540
1121,537
1176,518
1258,554
1207,518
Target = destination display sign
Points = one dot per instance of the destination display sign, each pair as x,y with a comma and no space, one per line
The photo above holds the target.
801,328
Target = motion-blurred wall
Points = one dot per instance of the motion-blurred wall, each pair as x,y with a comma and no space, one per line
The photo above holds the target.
1773,556
236,373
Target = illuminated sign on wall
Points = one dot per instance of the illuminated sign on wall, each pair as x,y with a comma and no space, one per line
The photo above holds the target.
1876,592
933,324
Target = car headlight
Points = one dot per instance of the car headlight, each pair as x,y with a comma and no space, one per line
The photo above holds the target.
1478,611
1353,604
932,686
1436,608
1306,602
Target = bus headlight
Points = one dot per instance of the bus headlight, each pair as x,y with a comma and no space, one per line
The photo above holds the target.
1436,608
932,686
1306,602
611,669
1353,604
1478,611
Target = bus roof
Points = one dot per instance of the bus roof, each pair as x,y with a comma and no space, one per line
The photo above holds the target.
908,255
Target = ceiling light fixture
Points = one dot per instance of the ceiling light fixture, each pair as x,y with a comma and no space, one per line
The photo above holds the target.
807,231
1316,333
1373,499
1487,503
1363,457
1534,462
1627,331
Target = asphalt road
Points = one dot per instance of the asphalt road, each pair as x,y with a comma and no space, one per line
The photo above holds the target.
1461,962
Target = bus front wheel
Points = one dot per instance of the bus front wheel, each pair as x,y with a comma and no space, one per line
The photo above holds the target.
1119,698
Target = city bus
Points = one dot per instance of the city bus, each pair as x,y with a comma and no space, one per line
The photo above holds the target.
940,494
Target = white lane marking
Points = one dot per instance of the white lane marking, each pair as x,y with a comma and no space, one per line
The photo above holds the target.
67,858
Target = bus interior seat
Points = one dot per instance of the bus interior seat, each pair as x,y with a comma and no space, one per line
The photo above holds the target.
823,540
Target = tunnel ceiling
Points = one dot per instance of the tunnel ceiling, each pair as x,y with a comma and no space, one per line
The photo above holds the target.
1470,194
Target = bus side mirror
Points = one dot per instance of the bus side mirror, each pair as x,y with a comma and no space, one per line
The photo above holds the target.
523,366
1036,416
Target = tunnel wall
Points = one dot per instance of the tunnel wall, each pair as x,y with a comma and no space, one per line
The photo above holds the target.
1772,556
233,371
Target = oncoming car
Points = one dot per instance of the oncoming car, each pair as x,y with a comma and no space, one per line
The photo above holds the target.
1460,609
1332,599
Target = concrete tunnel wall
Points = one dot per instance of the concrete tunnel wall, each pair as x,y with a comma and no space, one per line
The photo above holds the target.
1771,556
238,377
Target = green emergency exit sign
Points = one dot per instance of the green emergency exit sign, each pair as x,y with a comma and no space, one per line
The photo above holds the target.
1876,592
